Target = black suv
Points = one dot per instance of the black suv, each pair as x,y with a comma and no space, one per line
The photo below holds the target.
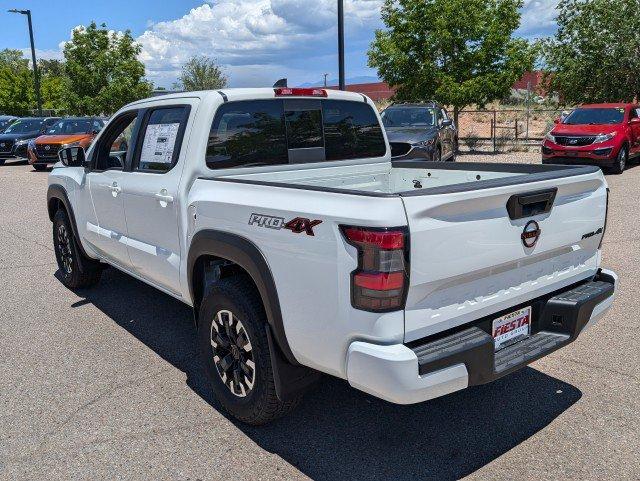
420,131
15,138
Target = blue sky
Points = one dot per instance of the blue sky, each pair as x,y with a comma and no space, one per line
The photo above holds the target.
257,41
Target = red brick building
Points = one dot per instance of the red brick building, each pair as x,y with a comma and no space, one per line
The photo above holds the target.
381,91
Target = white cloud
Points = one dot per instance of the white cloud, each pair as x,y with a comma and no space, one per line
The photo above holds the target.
538,18
258,41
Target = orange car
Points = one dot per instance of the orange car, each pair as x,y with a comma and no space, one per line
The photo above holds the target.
67,132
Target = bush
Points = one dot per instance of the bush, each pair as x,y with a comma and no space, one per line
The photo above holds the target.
471,140
503,139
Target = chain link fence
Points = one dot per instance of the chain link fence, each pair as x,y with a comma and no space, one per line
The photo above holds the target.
503,130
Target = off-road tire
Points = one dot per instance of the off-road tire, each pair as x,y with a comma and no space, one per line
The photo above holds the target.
260,405
621,160
76,269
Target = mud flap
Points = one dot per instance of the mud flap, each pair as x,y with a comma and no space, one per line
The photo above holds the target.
290,380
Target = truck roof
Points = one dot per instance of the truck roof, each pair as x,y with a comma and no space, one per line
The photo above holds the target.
253,93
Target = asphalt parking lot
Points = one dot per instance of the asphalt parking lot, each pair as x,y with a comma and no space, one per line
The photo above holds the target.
106,384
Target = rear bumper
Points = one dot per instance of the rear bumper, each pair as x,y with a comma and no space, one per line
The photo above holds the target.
435,366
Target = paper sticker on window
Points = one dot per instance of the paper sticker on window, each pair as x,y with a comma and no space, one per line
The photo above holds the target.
159,142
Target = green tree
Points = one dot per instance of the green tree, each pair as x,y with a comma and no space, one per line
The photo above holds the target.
103,71
13,59
51,67
201,73
16,91
459,52
595,53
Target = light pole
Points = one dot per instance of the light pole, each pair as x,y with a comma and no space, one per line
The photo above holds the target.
36,78
341,44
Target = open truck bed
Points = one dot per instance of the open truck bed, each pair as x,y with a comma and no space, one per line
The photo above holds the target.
407,178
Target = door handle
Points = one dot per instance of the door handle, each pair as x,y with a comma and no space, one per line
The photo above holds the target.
162,196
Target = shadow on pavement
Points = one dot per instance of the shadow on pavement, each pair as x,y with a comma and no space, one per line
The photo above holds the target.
340,433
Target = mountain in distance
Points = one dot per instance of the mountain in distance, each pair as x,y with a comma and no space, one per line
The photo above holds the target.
363,79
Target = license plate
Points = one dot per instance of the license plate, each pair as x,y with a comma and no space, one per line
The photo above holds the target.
511,328
572,153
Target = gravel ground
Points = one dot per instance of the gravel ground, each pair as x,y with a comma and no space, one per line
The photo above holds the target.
105,384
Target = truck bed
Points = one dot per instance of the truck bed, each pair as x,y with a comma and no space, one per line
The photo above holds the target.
467,259
406,178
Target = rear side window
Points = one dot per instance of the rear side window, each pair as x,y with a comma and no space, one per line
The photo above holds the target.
247,134
272,132
161,139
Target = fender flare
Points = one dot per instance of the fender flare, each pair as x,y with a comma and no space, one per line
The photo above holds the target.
57,192
247,255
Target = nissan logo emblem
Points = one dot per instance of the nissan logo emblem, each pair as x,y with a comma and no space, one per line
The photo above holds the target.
530,234
47,147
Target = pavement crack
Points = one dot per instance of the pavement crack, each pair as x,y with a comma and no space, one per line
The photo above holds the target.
83,407
17,236
598,367
27,266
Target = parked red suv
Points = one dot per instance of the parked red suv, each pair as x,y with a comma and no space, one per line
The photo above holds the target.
607,135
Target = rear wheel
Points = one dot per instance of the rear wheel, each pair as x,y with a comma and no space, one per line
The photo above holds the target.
621,160
76,270
233,344
40,167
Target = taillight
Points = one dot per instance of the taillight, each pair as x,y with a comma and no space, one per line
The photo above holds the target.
300,92
380,282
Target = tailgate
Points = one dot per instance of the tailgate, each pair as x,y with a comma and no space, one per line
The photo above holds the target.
468,259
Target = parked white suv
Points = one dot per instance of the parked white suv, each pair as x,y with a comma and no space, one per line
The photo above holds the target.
279,216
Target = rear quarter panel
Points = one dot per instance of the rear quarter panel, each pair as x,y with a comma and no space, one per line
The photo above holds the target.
312,273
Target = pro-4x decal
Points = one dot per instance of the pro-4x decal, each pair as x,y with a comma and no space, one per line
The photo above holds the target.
302,224
297,225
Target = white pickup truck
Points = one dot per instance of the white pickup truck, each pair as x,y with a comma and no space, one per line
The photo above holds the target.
279,216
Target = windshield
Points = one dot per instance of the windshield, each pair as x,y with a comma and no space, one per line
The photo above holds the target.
595,116
4,123
24,126
70,126
409,117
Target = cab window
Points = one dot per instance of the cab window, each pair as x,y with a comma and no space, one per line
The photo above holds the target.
292,131
111,151
160,138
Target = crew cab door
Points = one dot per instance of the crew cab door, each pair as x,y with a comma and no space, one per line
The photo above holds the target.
151,193
105,179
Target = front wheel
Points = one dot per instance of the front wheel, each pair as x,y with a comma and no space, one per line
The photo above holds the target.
76,270
621,161
233,343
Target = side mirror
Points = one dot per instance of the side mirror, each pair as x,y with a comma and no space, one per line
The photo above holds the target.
72,156
635,121
447,123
